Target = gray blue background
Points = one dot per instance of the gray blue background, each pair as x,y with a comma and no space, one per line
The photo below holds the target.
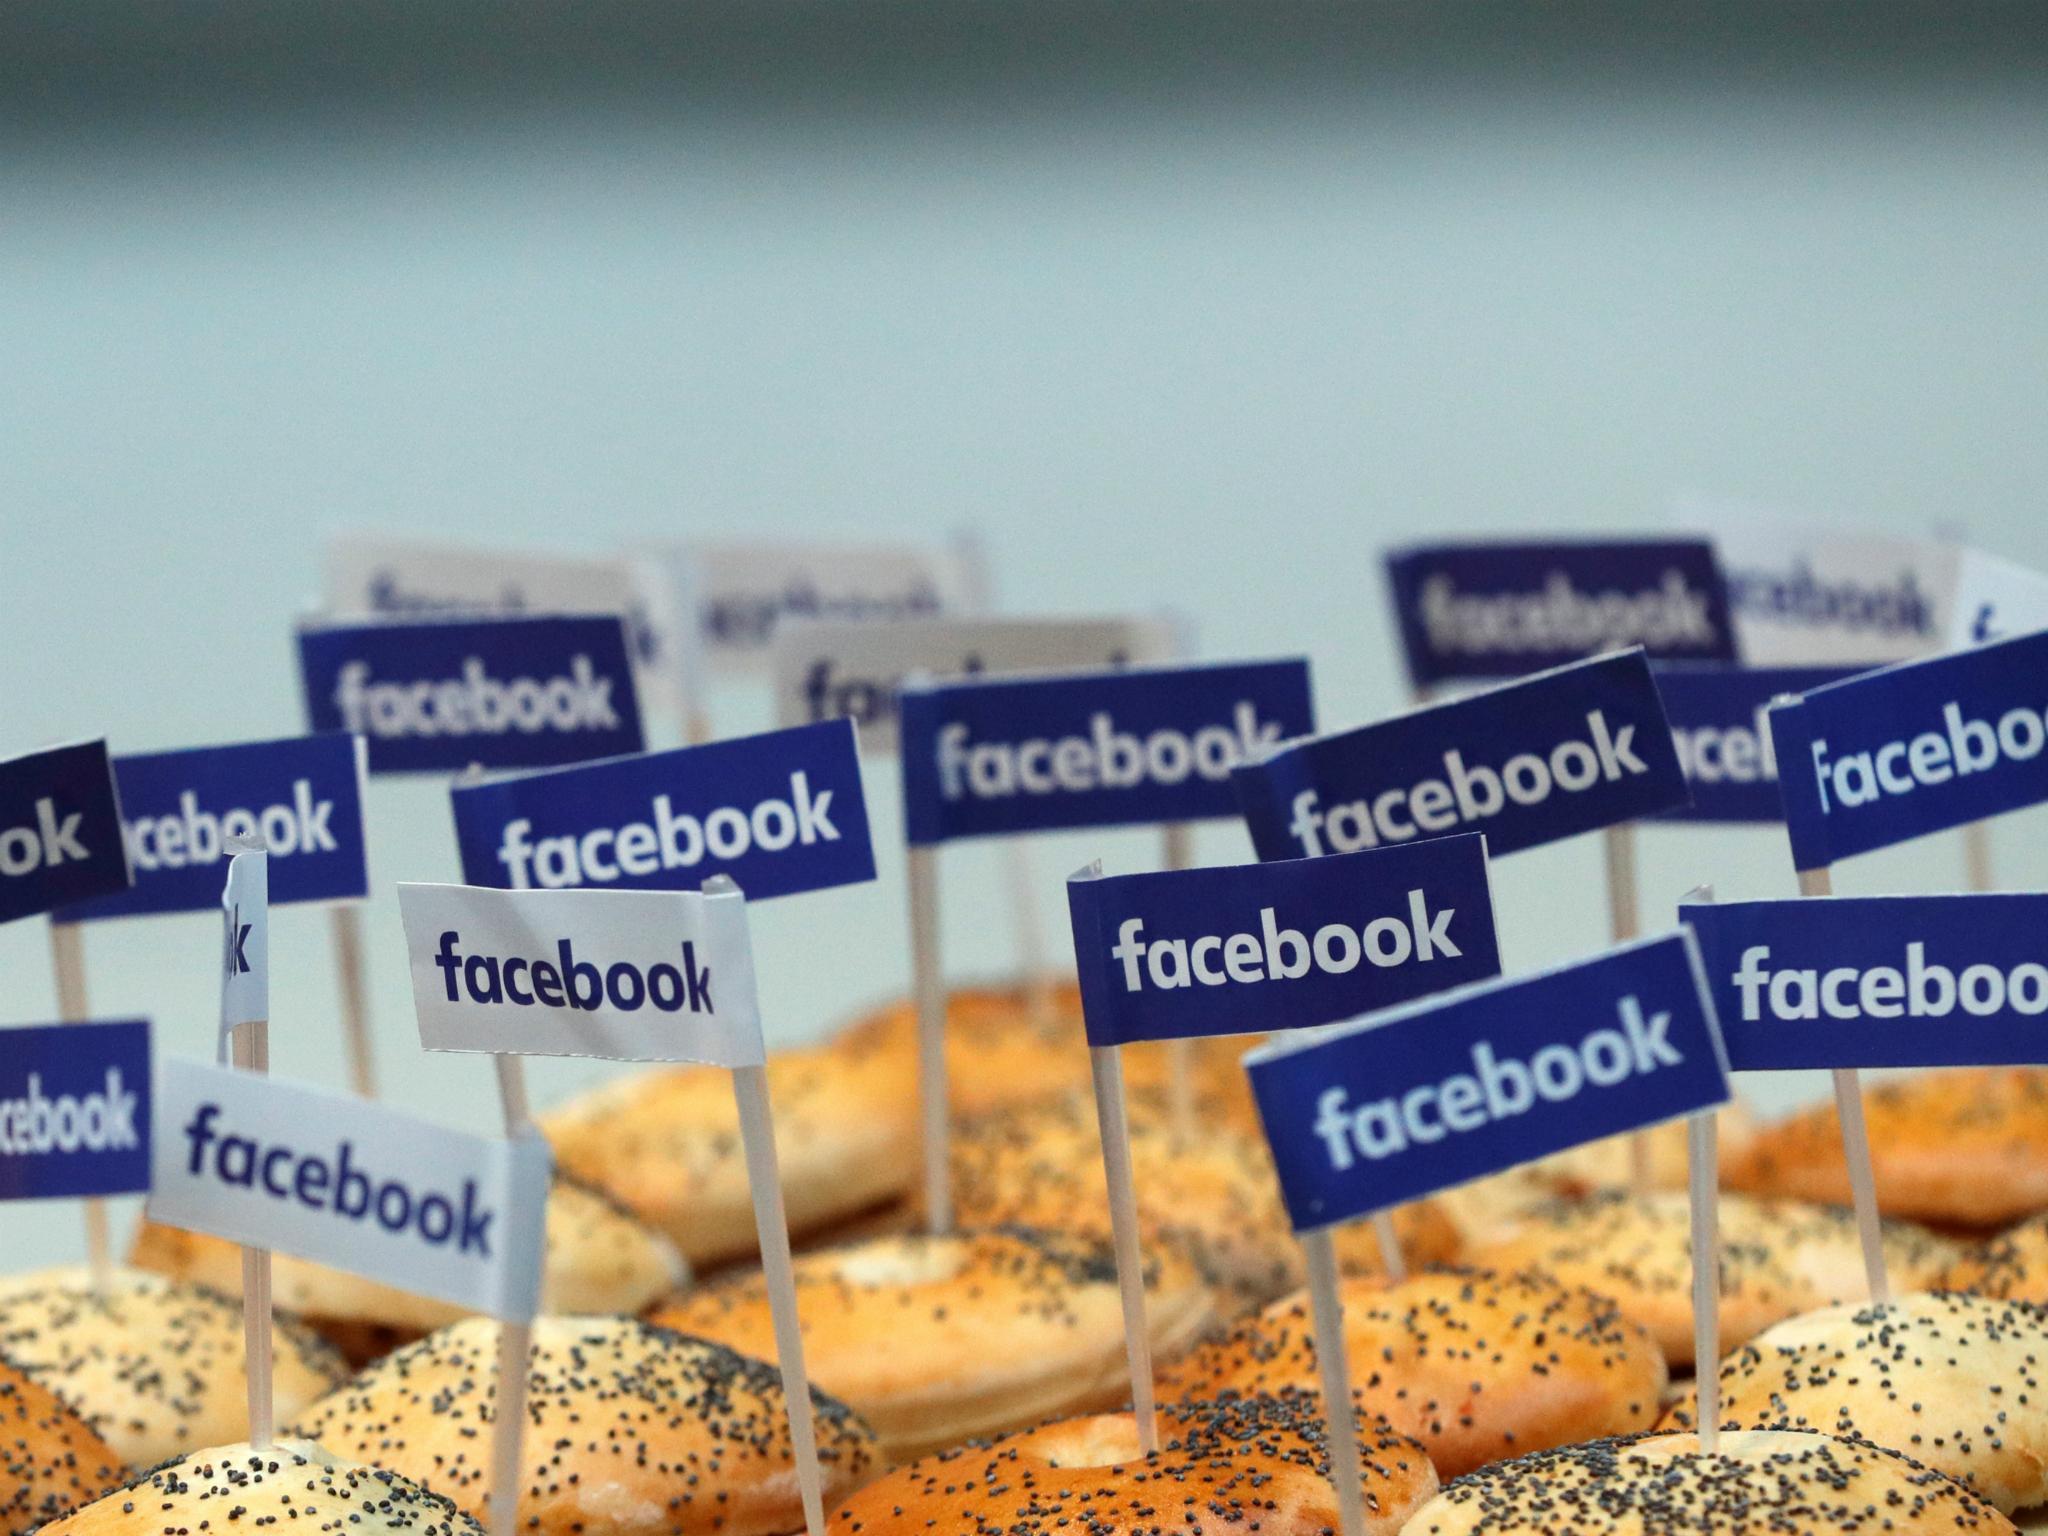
1189,305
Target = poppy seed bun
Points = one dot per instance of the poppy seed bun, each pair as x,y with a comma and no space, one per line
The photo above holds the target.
1003,1052
1000,1050
1760,1483
51,1462
1475,1366
630,1429
666,1145
1964,1147
1249,1466
1609,1163
599,1259
1778,1259
935,1340
1213,1195
287,1486
2012,1266
1489,1209
1953,1381
153,1365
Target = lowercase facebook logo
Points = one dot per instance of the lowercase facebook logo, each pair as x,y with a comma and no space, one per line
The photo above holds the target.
1724,745
1364,1117
628,975
303,796
1486,610
1288,944
60,829
504,693
1878,981
1554,755
780,813
1113,748
1915,748
352,1183
74,1110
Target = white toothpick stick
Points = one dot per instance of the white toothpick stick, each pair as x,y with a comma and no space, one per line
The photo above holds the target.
515,1341
771,1227
1624,922
1108,1072
1326,1304
1392,1259
928,989
1977,857
1034,970
1703,1193
345,926
1855,1139
1177,851
67,964
252,1054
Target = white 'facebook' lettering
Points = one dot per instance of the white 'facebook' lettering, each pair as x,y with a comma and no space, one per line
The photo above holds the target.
1495,1089
1466,793
1282,954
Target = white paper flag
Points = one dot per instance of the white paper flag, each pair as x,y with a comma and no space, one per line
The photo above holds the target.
350,1182
1806,596
626,975
1996,599
827,670
746,589
245,942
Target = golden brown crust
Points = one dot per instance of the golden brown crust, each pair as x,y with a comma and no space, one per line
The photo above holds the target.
666,1145
1778,1258
1005,1051
2012,1266
1761,1483
289,1485
599,1259
153,1365
1251,1466
1213,1195
1964,1147
1475,1366
1000,1050
934,1340
51,1462
631,1429
1489,1209
1610,1162
1955,1382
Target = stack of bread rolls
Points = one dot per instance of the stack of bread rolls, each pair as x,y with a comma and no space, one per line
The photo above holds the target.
1532,1371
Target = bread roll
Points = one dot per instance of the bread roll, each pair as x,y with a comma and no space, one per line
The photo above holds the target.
51,1462
288,1486
666,1145
1953,1381
1962,1147
153,1365
2012,1266
1609,1163
1475,1366
1778,1258
1246,1466
1005,1050
1213,1195
935,1340
631,1431
1761,1483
